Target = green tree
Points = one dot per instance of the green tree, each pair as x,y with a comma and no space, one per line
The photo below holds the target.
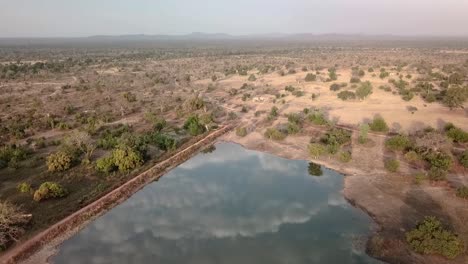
455,96
364,90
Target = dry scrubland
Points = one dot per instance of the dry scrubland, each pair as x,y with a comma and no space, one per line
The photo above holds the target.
77,123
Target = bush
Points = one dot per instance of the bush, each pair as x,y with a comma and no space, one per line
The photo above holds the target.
439,160
412,156
378,125
11,154
295,119
430,237
105,164
336,136
252,78
316,150
298,93
317,118
437,174
335,87
398,143
162,141
59,161
310,77
24,187
346,95
130,97
345,156
194,125
462,192
392,165
419,177
464,159
355,80
293,128
49,190
363,133
241,131
364,90
456,134
126,158
274,111
315,169
455,96
274,134
12,220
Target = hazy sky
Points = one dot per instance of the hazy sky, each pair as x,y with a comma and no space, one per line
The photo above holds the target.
67,18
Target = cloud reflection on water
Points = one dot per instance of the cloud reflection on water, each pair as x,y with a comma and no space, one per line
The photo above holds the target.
227,202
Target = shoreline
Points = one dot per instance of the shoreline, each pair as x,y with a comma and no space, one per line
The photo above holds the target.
42,246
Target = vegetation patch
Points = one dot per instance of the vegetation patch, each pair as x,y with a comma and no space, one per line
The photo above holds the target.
430,237
49,190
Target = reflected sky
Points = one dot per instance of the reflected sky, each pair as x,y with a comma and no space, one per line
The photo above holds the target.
229,206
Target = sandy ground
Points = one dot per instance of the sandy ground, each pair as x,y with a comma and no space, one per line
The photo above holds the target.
394,200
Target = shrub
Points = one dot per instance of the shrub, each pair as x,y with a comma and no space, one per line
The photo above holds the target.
12,220
363,133
332,75
274,111
241,131
295,119
317,118
316,150
335,87
398,143
293,128
315,169
455,96
419,177
252,78
346,95
274,134
464,159
126,158
194,126
105,164
430,237
336,135
310,77
440,160
384,74
11,154
437,174
412,156
364,90
345,156
392,165
24,187
130,97
456,134
298,93
378,125
59,161
462,192
49,190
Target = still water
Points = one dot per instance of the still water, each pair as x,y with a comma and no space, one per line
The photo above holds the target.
229,206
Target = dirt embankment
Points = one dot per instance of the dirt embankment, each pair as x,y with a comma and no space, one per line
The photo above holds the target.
40,247
393,200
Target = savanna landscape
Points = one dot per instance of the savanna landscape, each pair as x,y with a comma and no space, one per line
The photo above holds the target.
81,118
